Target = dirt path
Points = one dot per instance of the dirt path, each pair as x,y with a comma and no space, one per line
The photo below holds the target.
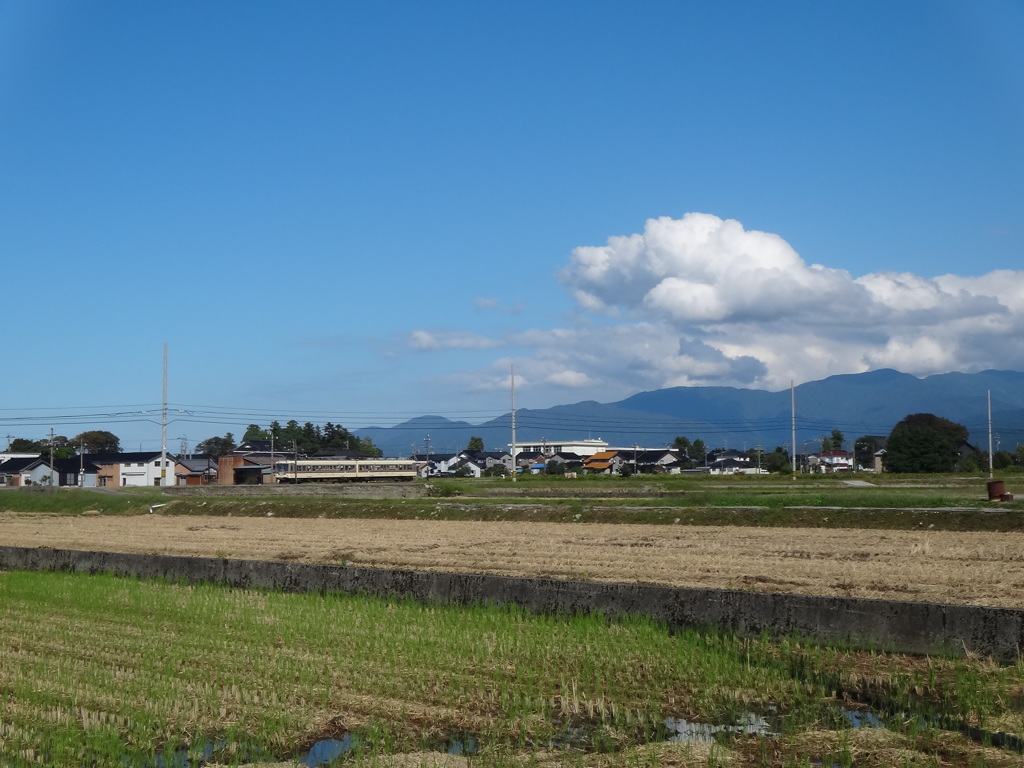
970,568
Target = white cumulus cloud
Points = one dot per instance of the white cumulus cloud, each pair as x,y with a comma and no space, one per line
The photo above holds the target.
700,300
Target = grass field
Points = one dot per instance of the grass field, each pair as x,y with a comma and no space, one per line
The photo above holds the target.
101,671
104,671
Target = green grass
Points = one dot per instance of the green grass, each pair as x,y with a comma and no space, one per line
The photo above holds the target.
95,668
909,502
75,501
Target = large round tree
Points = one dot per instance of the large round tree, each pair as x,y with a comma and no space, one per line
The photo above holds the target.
924,442
97,441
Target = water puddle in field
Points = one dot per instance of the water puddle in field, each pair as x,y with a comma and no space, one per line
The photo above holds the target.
327,750
859,719
574,735
680,730
192,758
999,739
578,735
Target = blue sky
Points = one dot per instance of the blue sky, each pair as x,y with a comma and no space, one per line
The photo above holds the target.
358,212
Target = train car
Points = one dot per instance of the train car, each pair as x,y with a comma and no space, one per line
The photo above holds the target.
328,469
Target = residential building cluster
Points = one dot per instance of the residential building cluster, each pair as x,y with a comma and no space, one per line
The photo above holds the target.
252,463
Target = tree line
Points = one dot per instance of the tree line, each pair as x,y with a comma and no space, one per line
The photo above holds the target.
91,441
919,443
308,439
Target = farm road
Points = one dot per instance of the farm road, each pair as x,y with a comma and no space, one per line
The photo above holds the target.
967,568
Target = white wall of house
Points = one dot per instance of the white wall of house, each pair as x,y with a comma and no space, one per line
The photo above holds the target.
138,474
38,475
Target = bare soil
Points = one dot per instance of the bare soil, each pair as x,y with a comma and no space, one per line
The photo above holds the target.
967,568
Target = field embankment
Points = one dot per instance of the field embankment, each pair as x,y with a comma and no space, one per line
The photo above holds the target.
975,568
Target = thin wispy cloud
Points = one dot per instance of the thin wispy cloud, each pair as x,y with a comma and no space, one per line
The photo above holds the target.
487,304
438,340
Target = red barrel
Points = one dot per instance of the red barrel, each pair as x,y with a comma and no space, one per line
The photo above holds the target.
996,490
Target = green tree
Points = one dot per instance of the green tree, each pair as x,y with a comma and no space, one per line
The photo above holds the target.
837,439
289,435
475,444
97,441
776,461
255,432
59,446
698,451
366,447
1002,460
24,445
924,442
217,446
335,439
309,439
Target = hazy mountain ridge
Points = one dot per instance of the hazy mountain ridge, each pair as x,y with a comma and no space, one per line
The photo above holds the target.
858,404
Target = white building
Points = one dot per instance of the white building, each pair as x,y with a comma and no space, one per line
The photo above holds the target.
585,447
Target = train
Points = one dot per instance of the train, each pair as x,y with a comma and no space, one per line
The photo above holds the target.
327,469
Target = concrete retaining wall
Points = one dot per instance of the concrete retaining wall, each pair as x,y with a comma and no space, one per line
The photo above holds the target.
905,627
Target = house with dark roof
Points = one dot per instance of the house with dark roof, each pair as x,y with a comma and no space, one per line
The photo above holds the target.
195,470
660,461
11,470
468,463
527,459
134,469
66,473
488,459
434,464
570,459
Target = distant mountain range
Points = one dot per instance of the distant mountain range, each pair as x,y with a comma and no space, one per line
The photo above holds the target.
727,417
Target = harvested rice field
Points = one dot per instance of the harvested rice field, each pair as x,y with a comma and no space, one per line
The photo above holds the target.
978,568
102,671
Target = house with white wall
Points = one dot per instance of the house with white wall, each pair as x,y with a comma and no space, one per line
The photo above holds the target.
133,470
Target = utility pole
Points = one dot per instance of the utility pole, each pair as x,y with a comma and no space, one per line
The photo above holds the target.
792,408
51,457
163,427
515,466
990,464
